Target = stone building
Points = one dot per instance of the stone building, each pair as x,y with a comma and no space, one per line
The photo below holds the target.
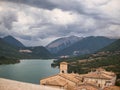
100,78
96,80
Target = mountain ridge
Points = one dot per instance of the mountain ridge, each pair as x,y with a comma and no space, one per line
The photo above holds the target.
108,58
61,43
87,45
9,49
13,41
115,46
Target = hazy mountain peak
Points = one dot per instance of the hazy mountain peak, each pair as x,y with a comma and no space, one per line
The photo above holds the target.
9,36
62,43
12,41
87,45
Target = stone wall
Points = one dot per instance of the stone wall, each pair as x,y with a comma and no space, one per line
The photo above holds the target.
6,84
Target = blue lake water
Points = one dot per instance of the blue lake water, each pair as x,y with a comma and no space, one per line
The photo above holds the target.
31,71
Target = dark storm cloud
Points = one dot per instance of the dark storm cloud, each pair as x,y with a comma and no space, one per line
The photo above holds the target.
36,3
71,5
67,5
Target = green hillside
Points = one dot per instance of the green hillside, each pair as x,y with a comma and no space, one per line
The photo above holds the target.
108,58
115,46
38,52
8,50
12,52
7,60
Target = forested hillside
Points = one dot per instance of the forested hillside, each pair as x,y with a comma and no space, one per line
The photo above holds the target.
108,58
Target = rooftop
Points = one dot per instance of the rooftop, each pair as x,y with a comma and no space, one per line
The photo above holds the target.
64,63
100,74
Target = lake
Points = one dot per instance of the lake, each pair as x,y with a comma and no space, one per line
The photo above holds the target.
31,71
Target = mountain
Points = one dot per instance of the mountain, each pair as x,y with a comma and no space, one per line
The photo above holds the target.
11,50
12,41
8,50
87,45
62,43
115,46
38,52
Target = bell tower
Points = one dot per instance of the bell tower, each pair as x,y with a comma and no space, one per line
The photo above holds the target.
63,67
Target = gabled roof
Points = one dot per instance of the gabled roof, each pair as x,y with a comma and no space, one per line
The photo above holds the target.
97,76
70,77
100,74
57,80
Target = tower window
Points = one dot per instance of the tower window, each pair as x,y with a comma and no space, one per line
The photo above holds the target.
62,71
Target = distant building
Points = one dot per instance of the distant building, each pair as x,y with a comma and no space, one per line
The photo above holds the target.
96,80
66,56
75,53
25,51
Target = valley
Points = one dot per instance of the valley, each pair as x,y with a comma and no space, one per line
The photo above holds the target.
10,49
70,46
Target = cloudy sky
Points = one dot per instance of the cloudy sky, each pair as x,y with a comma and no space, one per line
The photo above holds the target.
38,22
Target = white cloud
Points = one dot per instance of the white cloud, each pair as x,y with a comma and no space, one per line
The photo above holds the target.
112,9
63,18
41,24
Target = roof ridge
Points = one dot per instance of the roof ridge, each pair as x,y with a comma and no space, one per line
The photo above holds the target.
66,78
